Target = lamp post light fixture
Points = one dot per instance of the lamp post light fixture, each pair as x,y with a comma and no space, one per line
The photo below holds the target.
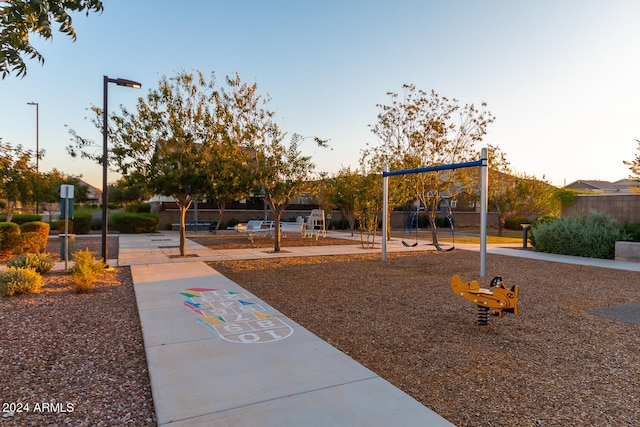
37,141
105,155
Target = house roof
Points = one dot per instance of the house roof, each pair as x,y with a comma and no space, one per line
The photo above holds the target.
596,186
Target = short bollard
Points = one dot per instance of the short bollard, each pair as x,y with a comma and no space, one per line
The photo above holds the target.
525,232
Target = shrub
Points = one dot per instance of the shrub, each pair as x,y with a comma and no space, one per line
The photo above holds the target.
594,236
10,232
138,208
85,271
39,227
41,262
632,230
514,222
82,222
135,222
24,218
15,281
30,242
61,224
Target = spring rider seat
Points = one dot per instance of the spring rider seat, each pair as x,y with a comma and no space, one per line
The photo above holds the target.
495,301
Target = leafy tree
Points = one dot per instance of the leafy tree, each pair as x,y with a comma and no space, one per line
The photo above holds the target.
343,194
368,204
634,165
513,193
21,18
281,172
503,192
242,116
18,177
426,129
161,146
51,182
128,191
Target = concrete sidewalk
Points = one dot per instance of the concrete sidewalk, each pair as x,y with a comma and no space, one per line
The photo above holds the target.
218,355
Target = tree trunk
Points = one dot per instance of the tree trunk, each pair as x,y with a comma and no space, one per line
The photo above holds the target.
221,207
183,229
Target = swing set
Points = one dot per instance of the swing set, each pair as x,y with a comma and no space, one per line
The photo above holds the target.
484,180
494,301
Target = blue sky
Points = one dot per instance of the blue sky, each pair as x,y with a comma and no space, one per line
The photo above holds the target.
561,77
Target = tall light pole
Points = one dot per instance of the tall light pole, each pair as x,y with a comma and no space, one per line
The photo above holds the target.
105,155
37,141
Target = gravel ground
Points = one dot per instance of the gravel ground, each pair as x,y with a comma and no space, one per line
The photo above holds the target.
74,359
552,365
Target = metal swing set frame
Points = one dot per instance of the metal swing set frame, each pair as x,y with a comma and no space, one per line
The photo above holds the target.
482,163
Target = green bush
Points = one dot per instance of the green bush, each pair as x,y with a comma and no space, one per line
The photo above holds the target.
29,243
85,271
10,232
40,262
24,218
593,236
135,222
82,222
39,227
540,220
14,281
632,230
514,222
138,208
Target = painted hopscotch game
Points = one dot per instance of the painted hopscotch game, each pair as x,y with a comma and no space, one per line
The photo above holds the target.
233,316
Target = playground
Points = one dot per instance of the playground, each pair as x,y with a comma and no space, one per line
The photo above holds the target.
555,363
563,360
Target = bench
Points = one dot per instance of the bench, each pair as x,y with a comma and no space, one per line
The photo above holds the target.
195,225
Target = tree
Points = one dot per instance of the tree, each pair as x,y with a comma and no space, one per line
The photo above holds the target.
21,18
344,192
242,115
512,193
634,165
503,195
426,129
281,172
163,145
18,177
51,182
368,204
128,191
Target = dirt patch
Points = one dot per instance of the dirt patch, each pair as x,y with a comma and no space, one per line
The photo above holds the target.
554,364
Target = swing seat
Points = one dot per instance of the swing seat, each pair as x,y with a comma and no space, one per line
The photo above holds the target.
410,245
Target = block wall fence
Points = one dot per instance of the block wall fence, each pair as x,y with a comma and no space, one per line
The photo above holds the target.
624,207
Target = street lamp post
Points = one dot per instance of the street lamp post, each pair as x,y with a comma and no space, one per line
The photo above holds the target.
105,155
37,142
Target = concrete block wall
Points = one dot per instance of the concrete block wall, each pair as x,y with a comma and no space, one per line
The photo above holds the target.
624,207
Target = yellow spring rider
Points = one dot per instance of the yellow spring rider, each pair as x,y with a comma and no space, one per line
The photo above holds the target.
495,301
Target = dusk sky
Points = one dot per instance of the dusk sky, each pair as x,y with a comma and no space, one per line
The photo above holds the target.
562,77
